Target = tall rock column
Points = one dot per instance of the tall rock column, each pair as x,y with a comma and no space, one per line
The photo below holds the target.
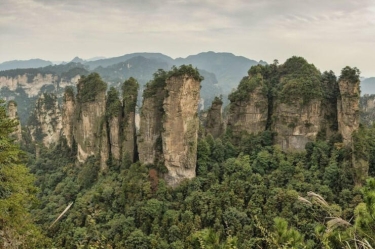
249,106
214,121
111,133
68,115
45,123
296,115
151,118
348,103
12,113
89,115
129,96
180,127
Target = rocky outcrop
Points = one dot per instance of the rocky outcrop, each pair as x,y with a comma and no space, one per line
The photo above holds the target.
129,96
68,110
114,137
32,85
367,106
180,128
151,125
214,120
249,107
89,116
12,113
45,123
296,123
348,103
169,123
105,148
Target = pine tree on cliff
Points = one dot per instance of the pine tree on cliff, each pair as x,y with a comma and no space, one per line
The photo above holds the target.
17,192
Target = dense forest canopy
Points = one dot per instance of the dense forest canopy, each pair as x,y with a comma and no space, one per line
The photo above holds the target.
247,193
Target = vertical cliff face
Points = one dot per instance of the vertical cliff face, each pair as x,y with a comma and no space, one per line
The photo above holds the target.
45,123
180,128
214,120
129,95
89,115
348,103
367,106
296,115
169,123
296,123
104,147
249,106
151,121
68,111
114,136
111,127
12,113
329,123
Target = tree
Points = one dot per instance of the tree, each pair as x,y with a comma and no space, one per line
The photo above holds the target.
17,192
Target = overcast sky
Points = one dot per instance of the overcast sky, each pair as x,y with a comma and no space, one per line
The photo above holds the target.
328,33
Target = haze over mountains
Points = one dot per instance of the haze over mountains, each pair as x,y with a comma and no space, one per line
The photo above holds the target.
221,71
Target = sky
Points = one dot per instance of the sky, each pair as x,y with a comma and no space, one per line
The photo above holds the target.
331,34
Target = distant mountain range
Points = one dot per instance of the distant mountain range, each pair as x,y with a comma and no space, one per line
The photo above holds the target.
368,86
222,73
227,68
33,63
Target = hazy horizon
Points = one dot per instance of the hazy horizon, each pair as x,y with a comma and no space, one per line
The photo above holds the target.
329,34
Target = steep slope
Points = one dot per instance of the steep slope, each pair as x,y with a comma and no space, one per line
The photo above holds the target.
25,85
297,106
214,121
180,127
45,123
248,111
13,115
169,123
367,107
89,115
348,103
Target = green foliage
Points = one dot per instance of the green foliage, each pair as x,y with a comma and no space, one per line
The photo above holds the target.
246,86
17,192
350,74
69,91
365,212
129,94
113,105
89,87
155,85
183,70
299,80
50,101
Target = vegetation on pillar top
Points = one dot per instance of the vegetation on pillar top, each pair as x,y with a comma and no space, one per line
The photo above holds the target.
185,70
89,87
158,83
350,74
129,94
299,79
12,102
246,86
50,101
113,103
217,101
69,91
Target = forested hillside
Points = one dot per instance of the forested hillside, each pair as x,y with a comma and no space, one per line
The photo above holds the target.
289,166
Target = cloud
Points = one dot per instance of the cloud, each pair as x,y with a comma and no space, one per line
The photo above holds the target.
265,29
